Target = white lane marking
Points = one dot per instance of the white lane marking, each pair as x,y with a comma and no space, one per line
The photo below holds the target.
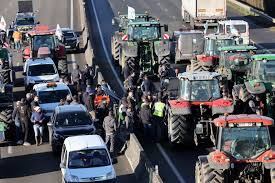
73,58
170,163
104,46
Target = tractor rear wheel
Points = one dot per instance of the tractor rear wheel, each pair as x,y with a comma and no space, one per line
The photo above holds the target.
130,61
63,66
198,176
164,59
6,117
209,174
180,130
6,74
197,66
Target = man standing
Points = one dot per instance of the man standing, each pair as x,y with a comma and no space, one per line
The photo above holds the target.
146,119
88,75
109,125
24,115
37,119
16,119
158,115
76,76
35,102
17,37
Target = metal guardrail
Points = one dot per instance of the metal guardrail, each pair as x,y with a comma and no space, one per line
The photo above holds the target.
252,10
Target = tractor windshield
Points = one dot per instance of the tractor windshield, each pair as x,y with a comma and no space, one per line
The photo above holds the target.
43,41
211,45
200,90
245,142
25,21
266,71
144,32
235,60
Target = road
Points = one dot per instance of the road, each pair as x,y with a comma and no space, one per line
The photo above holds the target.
174,165
19,164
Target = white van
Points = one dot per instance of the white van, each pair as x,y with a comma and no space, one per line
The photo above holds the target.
86,159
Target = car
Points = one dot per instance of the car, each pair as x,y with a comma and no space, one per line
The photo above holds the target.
25,22
38,71
70,39
50,95
86,159
69,120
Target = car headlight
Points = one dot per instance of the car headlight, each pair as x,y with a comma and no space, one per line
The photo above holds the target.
72,178
111,175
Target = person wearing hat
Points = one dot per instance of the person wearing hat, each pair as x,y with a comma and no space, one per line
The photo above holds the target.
37,119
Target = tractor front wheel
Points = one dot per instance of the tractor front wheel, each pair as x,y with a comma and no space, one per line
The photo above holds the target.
63,66
209,174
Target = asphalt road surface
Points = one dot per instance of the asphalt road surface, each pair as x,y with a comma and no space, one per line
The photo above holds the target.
174,165
19,164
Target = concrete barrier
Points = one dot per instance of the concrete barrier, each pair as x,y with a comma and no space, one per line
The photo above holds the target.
249,10
140,164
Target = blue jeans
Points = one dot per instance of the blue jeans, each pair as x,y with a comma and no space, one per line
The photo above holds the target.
17,45
148,130
38,129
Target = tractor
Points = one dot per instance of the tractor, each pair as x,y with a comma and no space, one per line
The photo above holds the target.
6,71
210,58
243,152
261,80
190,115
143,46
43,37
234,62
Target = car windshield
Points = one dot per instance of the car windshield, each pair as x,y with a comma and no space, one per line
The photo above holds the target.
245,142
41,70
144,33
25,21
212,45
236,29
267,71
89,158
68,34
52,96
73,119
233,59
200,90
43,41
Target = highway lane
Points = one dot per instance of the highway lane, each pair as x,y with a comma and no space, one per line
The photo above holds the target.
181,160
38,164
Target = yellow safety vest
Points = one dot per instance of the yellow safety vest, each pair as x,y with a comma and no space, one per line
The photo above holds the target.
159,109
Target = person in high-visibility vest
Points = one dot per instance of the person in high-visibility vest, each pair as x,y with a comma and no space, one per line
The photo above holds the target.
158,116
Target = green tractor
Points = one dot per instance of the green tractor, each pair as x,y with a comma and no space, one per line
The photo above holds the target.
261,79
6,67
234,61
143,46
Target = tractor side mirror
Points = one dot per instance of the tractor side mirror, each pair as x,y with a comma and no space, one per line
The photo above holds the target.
165,27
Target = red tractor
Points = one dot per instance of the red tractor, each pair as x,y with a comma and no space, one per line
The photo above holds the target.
191,113
243,152
42,37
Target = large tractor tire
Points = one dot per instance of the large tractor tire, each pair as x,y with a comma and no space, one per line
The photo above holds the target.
6,117
6,75
127,60
115,50
209,174
198,66
180,130
164,59
63,66
198,176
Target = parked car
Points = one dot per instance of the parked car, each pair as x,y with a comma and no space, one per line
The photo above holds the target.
70,39
86,159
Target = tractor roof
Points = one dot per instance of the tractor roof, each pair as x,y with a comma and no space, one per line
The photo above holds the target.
204,75
237,48
137,16
219,36
233,22
144,23
261,57
243,120
41,30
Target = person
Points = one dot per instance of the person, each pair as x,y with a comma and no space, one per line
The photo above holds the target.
68,99
109,125
88,75
98,90
17,38
87,98
35,102
146,85
163,74
16,119
61,102
76,76
145,116
74,101
29,99
131,99
104,84
122,113
24,115
130,82
126,71
37,119
158,117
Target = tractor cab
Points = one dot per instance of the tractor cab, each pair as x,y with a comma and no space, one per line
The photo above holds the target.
199,86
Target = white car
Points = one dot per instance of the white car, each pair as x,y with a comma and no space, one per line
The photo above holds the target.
38,71
86,159
50,95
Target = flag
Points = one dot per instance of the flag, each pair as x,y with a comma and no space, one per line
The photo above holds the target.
3,24
131,13
58,32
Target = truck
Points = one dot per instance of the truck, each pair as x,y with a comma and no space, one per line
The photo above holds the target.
198,12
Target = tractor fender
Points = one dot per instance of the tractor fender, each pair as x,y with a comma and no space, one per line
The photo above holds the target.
178,107
130,49
222,106
162,48
61,52
216,163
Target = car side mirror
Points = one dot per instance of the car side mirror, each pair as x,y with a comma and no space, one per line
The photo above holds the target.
165,28
61,165
24,73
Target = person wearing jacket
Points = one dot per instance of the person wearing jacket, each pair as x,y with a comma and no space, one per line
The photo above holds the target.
146,119
109,125
16,119
37,119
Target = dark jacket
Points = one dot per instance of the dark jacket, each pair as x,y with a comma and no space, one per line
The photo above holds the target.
87,100
15,113
145,114
37,118
24,113
34,104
